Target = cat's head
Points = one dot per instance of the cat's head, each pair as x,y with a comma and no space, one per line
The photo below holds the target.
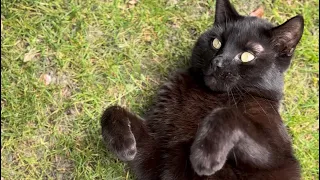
245,52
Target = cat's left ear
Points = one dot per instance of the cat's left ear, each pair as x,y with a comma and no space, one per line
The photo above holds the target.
225,12
286,36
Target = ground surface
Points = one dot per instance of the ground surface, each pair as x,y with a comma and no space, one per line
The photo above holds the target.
99,53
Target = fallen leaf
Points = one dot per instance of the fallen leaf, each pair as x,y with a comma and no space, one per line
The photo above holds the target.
92,60
257,12
148,34
45,78
30,55
308,137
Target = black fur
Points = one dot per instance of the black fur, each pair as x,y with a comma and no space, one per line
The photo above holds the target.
218,119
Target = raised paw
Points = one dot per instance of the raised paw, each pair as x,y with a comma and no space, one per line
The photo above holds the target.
205,160
117,134
215,138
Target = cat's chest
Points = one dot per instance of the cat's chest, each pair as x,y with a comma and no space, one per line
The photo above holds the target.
183,96
181,105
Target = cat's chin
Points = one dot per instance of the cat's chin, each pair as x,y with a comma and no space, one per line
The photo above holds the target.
217,86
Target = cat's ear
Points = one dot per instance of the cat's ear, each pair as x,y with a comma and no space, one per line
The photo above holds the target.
286,36
225,12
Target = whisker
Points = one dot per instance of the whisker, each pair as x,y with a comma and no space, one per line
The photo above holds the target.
257,103
235,103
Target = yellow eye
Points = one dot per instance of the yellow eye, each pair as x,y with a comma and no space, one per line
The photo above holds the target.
246,57
216,43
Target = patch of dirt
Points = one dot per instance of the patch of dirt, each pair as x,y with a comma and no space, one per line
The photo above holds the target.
75,110
174,23
58,117
46,79
93,34
62,79
62,167
31,55
64,122
148,34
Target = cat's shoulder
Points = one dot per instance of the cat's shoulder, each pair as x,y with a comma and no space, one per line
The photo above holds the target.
184,79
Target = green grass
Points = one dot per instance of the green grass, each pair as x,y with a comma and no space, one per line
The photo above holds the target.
100,53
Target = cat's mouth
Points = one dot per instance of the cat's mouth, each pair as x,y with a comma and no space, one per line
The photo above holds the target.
220,82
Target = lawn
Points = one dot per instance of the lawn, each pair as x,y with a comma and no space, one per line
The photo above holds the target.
63,62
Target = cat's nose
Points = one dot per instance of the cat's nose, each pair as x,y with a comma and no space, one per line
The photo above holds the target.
217,63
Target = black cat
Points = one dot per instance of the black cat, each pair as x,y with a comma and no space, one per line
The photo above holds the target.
220,118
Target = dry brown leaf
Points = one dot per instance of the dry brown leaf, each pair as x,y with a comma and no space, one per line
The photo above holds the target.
148,34
92,60
30,55
45,78
257,12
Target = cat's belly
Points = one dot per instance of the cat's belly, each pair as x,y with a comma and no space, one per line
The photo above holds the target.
181,105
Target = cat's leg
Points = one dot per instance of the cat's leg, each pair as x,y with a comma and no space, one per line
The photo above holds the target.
216,136
121,131
126,135
252,143
289,171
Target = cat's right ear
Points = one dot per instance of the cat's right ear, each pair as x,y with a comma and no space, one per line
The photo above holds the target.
225,12
286,36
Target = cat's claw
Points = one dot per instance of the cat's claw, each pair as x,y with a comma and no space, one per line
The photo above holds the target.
117,134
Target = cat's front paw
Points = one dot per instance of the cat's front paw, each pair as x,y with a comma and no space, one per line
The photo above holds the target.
117,134
215,138
124,147
204,161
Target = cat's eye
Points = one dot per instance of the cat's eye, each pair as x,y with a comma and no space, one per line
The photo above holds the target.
246,57
216,43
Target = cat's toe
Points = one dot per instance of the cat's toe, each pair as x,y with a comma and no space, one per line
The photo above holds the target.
204,163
